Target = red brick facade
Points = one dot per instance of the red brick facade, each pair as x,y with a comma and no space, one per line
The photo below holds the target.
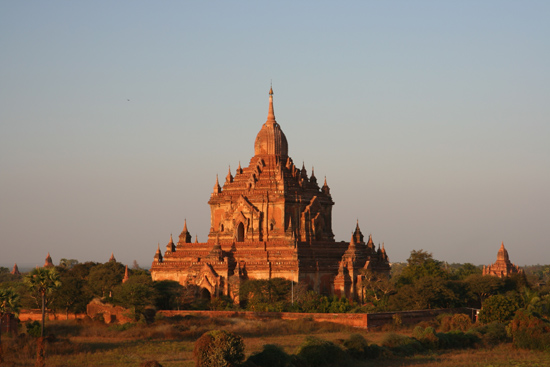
503,267
271,219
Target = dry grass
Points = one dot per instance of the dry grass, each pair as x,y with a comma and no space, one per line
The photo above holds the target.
171,343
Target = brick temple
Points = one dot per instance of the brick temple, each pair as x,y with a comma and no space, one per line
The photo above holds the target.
270,220
503,267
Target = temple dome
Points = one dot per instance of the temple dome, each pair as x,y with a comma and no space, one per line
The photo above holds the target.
271,140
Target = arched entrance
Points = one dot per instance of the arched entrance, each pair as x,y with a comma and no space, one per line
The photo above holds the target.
204,294
240,232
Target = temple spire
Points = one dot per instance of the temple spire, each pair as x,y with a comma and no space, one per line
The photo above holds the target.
15,270
126,275
217,188
229,177
185,236
158,254
48,262
271,112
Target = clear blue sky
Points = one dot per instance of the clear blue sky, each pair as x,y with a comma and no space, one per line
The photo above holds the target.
430,120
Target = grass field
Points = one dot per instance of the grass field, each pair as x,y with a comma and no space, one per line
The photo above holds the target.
171,343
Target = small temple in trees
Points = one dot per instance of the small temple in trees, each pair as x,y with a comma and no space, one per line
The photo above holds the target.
270,220
503,267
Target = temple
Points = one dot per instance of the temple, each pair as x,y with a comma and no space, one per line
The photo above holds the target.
270,220
48,263
503,267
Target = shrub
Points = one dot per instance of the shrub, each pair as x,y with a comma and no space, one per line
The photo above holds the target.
33,328
529,331
356,345
445,322
493,333
455,339
402,345
271,356
461,322
319,352
426,337
218,348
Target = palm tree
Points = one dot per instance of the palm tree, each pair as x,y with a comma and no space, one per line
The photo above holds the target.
43,281
9,303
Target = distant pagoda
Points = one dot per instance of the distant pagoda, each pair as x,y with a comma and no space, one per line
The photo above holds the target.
503,267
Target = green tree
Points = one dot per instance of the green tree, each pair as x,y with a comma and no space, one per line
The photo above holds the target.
420,264
377,288
483,286
9,303
465,270
169,294
104,277
265,294
72,295
136,294
43,281
498,308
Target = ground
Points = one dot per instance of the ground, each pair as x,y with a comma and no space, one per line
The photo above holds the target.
171,344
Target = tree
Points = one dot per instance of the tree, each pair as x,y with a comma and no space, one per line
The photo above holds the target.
483,286
425,293
420,264
9,303
497,308
43,281
265,294
378,287
136,294
465,270
104,277
169,294
72,295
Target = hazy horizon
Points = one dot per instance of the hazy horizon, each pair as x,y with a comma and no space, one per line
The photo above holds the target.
430,121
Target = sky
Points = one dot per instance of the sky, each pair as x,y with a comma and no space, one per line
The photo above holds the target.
429,119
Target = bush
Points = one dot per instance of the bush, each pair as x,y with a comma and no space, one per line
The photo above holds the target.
318,352
456,339
218,348
458,321
493,333
426,337
356,346
33,328
529,331
461,322
402,345
271,356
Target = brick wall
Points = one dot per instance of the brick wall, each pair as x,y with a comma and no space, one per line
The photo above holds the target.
358,320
